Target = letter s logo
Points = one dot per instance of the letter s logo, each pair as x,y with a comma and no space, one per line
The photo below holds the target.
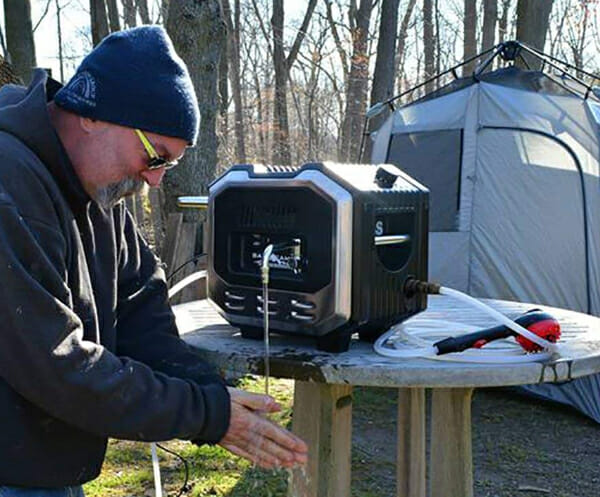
378,228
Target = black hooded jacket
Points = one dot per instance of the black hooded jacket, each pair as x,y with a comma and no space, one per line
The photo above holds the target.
88,344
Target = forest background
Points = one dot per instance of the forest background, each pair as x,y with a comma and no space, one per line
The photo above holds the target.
289,81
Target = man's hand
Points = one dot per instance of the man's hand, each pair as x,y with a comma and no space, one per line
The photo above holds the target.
254,437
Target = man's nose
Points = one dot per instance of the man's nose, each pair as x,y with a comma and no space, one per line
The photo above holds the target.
153,177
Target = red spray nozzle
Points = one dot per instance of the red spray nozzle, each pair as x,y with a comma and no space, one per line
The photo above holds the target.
539,322
543,325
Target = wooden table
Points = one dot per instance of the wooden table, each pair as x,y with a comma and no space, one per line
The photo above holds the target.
323,392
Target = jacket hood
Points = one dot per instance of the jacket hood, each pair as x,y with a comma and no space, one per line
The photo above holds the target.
24,114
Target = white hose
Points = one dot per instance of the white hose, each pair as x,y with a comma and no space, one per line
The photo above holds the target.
188,280
517,328
409,344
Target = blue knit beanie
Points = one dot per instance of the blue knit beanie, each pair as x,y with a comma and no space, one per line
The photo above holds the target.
134,78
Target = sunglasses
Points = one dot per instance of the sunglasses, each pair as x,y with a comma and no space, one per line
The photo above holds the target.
155,161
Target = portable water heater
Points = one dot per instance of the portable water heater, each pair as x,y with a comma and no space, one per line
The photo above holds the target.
349,235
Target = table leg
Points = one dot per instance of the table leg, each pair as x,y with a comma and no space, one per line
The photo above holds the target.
451,458
323,419
410,447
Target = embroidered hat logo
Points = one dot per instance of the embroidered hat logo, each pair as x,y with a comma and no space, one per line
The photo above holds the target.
82,88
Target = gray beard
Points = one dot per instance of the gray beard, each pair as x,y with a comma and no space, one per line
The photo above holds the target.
108,196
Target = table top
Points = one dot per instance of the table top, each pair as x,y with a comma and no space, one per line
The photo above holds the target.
296,357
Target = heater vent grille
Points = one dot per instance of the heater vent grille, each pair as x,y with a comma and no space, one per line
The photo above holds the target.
272,216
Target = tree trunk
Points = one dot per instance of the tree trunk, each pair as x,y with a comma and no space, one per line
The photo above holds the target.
198,33
282,65
164,11
532,26
428,43
356,90
470,35
383,76
261,119
99,21
224,80
402,34
233,50
281,146
61,63
338,42
113,15
142,6
490,16
19,37
503,22
438,41
223,92
129,13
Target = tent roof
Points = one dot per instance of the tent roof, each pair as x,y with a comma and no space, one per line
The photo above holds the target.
512,77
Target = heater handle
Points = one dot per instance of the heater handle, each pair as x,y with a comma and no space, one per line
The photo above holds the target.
192,202
391,240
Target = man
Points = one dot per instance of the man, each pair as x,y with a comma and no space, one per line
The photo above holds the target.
88,343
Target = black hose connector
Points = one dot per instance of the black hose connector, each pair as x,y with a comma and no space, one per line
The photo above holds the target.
414,287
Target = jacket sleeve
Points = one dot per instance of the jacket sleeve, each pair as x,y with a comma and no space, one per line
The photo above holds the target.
146,329
44,357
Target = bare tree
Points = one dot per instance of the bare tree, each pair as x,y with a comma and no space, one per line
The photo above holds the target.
233,55
99,20
198,33
503,21
142,6
113,15
283,64
357,82
402,34
532,25
577,27
490,17
59,35
19,37
343,56
5,54
164,11
428,43
470,35
129,13
43,16
383,76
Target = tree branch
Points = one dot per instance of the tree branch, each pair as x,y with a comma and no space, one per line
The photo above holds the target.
43,15
289,61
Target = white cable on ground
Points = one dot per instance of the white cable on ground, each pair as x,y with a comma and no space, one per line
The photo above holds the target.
414,344
175,289
156,471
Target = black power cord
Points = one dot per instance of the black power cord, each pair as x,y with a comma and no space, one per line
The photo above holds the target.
184,487
194,259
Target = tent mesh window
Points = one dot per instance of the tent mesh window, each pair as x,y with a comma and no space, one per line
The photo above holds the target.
433,158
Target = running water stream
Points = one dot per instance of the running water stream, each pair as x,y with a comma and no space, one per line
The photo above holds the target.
267,358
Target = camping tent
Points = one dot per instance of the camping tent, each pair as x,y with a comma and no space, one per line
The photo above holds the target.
512,161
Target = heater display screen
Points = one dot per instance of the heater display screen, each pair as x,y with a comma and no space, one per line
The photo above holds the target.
297,221
286,256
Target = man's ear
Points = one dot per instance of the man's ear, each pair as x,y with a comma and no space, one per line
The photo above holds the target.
90,125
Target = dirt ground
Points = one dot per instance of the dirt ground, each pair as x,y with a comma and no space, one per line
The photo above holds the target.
521,447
